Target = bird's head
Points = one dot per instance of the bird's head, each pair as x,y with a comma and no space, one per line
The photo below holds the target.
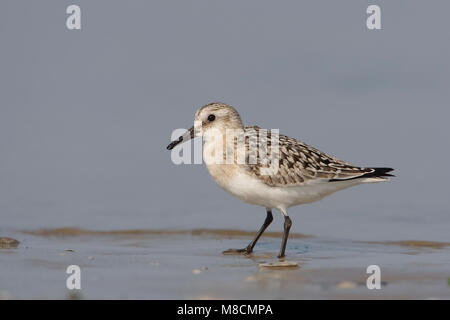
211,119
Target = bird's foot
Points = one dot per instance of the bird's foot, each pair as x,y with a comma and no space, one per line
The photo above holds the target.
245,251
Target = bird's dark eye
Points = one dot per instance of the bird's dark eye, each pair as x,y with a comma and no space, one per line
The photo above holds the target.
211,117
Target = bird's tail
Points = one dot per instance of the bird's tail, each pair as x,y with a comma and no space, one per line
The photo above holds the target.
379,173
375,175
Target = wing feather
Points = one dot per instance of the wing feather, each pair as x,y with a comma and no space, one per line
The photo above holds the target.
298,162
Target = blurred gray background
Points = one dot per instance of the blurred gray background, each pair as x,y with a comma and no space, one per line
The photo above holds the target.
85,116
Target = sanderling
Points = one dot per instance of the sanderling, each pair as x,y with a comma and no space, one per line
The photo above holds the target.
303,174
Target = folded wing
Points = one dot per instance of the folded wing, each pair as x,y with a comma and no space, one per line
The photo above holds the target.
298,163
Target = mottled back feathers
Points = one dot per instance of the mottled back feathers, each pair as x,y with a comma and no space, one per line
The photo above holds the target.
298,162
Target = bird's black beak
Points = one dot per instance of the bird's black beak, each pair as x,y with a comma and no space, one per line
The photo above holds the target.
185,137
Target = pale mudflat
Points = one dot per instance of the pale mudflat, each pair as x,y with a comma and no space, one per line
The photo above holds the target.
188,264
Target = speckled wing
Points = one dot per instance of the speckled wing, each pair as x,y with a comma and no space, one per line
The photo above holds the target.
298,162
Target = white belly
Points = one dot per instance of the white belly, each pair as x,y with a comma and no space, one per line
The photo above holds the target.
247,188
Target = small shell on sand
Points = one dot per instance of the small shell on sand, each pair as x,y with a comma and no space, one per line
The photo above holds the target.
279,264
346,285
200,270
7,243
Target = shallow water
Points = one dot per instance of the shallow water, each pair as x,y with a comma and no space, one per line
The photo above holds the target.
188,264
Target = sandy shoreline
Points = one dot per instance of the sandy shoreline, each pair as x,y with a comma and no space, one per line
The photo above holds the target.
188,264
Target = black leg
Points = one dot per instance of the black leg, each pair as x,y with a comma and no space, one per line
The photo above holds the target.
251,245
269,219
287,227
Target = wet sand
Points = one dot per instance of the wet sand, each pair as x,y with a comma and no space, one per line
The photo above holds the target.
188,264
